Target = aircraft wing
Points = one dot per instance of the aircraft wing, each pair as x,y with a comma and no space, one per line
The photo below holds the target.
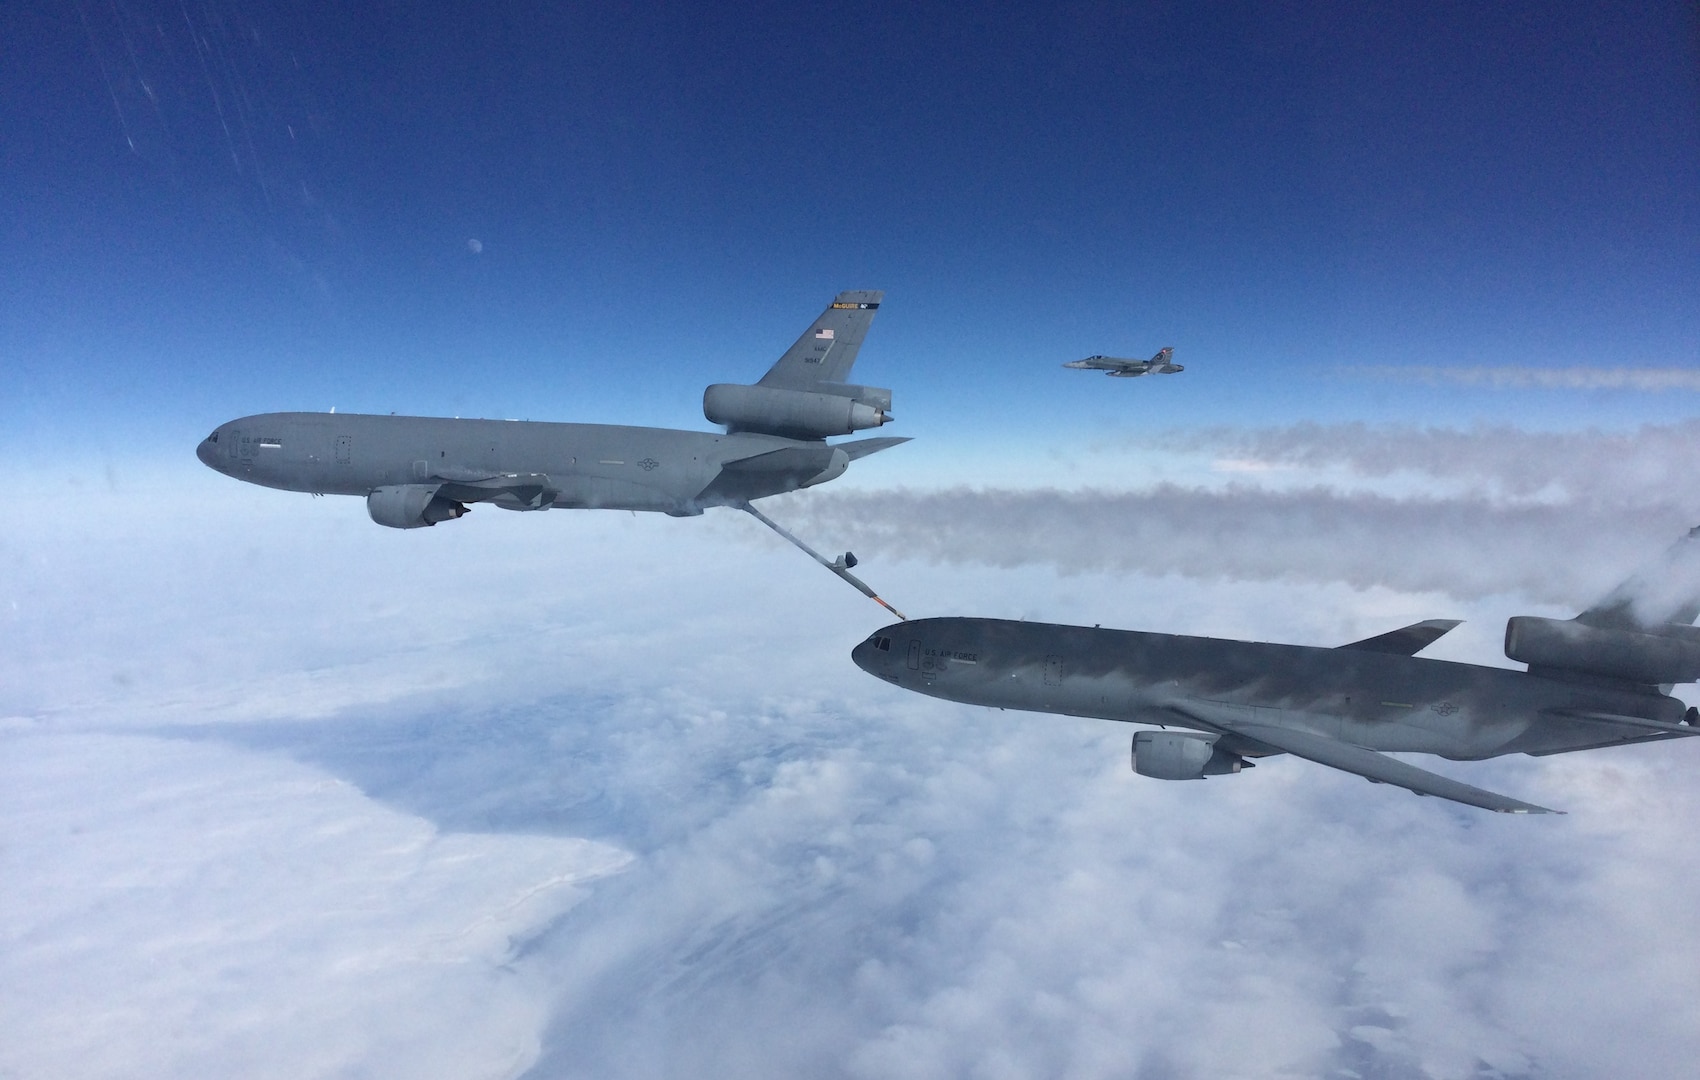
1407,640
827,349
1372,766
529,491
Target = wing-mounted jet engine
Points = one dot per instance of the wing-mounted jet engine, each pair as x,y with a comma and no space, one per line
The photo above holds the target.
411,506
1182,755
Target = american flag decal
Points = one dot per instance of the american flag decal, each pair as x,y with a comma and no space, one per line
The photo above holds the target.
824,332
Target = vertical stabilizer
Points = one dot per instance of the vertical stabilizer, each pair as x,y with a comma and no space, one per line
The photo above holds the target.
828,348
1665,591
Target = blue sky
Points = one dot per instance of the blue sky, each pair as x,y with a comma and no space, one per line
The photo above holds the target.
279,216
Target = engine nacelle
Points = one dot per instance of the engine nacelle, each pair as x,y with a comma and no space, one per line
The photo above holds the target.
411,506
1671,654
1181,755
797,414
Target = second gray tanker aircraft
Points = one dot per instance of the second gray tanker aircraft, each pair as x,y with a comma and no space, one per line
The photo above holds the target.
1600,679
416,471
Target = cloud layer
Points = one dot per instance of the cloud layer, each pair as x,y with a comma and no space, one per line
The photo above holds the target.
180,909
288,792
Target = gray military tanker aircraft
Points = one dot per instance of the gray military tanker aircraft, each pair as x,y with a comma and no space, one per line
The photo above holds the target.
1118,368
418,471
1600,679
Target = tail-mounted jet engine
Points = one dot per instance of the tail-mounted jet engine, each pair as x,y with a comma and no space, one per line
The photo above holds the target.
1650,656
1179,755
411,506
822,410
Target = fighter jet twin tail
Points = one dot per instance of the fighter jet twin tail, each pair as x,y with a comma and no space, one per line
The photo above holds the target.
1601,679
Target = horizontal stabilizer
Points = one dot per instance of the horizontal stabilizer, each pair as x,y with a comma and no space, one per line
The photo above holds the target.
861,448
1408,640
828,348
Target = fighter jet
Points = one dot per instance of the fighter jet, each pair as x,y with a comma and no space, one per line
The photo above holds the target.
418,471
1118,368
1600,679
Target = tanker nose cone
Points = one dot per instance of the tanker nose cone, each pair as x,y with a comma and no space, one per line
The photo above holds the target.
863,654
874,655
209,449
